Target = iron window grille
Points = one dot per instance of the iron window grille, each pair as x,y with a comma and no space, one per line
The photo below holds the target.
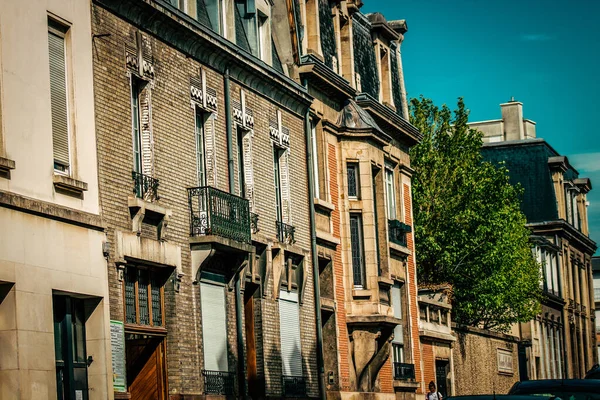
294,386
352,171
404,371
218,382
285,233
144,297
144,186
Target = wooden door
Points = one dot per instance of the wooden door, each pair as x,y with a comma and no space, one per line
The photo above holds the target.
146,369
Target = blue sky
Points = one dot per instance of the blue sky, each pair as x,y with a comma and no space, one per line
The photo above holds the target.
544,53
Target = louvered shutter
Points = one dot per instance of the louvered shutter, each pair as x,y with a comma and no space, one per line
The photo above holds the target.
248,172
214,322
58,99
210,156
284,171
289,325
146,132
397,306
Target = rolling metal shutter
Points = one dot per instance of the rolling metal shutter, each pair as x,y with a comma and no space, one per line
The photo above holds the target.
214,321
289,323
58,98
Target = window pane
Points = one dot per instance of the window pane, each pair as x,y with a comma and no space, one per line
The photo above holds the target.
357,250
130,278
315,158
277,176
352,180
59,316
135,122
143,297
214,13
78,321
390,194
434,315
423,313
156,302
200,158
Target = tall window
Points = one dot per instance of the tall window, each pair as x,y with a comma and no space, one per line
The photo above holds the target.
70,348
357,246
398,342
390,193
315,155
59,95
264,36
241,167
144,297
353,182
575,210
200,148
398,351
136,87
277,153
214,9
214,320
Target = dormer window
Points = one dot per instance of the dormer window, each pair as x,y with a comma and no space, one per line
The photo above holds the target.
571,207
215,11
385,77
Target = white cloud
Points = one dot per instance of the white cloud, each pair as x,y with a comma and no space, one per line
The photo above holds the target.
585,162
536,37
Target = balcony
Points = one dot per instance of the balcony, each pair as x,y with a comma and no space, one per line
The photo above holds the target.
294,386
218,382
397,232
145,187
215,212
403,372
285,233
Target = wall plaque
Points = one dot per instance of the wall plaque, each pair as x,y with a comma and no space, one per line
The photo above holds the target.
117,341
505,361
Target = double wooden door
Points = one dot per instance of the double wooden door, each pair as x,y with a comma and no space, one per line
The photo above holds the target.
146,367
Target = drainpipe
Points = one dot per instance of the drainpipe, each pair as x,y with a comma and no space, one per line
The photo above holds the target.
313,249
238,284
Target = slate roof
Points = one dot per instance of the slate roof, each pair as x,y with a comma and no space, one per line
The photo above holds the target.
527,164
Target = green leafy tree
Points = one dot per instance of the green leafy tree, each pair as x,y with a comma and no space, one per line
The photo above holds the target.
469,229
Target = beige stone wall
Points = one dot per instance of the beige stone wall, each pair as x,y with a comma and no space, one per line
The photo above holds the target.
42,256
476,368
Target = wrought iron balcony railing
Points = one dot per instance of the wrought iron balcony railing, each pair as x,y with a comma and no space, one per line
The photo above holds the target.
403,371
215,212
397,231
285,233
294,386
254,223
218,382
144,186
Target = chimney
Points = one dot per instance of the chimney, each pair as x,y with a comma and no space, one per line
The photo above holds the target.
512,116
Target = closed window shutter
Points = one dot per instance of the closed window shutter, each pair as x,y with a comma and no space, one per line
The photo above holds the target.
284,170
146,133
210,149
58,99
289,323
248,170
214,321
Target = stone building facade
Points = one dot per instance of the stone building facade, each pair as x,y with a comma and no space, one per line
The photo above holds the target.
360,136
203,177
54,303
561,341
596,285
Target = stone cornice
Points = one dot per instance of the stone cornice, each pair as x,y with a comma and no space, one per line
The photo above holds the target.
389,120
51,211
566,230
329,82
187,35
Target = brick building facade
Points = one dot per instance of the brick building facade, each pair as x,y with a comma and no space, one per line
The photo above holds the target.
351,65
216,216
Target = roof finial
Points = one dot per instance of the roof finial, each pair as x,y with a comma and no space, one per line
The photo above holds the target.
512,99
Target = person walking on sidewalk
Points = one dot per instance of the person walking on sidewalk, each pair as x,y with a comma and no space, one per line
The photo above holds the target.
433,394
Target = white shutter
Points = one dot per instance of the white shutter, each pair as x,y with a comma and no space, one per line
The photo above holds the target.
58,98
146,132
210,156
289,325
214,322
284,171
248,172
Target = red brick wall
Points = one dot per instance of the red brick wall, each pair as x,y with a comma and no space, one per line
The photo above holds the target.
386,379
338,269
412,287
428,362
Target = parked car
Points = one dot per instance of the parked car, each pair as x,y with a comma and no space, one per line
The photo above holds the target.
492,397
593,373
563,389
